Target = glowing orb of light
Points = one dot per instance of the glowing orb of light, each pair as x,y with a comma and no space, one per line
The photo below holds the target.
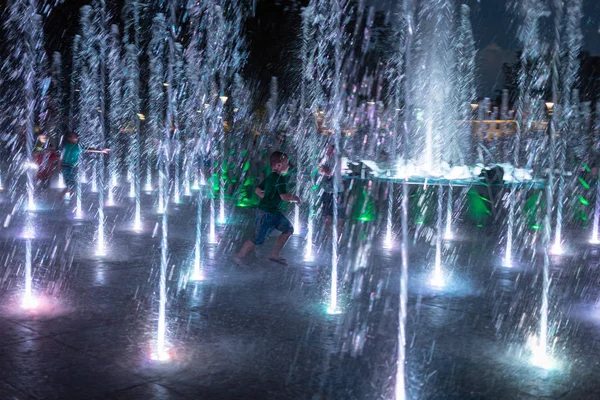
437,280
29,302
161,355
29,232
557,249
539,357
100,249
212,239
197,276
388,242
333,310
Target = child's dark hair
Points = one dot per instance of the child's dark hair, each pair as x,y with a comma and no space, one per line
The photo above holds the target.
277,157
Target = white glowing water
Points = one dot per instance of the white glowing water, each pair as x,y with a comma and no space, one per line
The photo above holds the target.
161,193
222,219
29,300
100,245
212,235
78,207
388,242
510,227
437,278
400,389
148,186
594,239
94,178
448,233
308,250
161,352
297,219
198,273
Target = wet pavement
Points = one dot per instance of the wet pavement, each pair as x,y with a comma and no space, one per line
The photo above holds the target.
261,331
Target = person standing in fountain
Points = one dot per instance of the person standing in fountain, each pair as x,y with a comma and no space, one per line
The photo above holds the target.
70,160
330,168
273,193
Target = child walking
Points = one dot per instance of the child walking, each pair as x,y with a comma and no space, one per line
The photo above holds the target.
70,160
273,192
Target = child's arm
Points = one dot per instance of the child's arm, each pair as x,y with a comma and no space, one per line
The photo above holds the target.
284,195
259,192
103,151
289,198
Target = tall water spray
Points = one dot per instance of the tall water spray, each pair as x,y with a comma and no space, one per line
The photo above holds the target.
336,113
402,123
156,99
23,26
115,90
131,100
306,84
433,80
569,77
596,141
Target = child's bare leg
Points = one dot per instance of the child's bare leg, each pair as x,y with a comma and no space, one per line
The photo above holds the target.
245,250
281,241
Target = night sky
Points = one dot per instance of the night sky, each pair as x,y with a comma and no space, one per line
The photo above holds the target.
494,30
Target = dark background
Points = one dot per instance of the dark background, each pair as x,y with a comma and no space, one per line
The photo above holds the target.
272,36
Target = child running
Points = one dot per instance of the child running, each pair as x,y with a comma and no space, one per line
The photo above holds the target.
70,160
273,192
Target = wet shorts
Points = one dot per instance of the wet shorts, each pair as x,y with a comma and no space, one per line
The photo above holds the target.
70,176
266,222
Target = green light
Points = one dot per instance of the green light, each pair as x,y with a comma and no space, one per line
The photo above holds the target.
583,201
584,183
536,227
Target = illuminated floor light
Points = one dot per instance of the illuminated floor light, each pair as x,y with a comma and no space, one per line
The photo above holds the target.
388,242
29,302
557,249
539,356
221,219
162,356
437,280
137,224
197,274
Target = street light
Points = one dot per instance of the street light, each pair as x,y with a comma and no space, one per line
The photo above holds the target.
550,107
223,99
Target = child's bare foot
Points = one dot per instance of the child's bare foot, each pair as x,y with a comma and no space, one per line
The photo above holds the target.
238,261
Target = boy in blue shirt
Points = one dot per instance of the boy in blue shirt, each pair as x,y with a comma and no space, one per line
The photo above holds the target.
70,160
273,193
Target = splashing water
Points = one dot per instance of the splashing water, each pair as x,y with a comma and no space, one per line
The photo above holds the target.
437,278
448,233
198,273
